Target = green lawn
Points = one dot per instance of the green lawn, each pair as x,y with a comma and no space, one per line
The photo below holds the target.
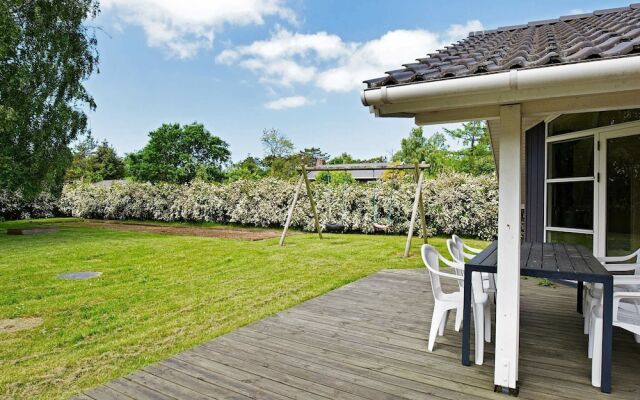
158,295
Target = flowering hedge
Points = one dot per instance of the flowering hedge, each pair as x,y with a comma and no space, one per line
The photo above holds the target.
15,206
455,203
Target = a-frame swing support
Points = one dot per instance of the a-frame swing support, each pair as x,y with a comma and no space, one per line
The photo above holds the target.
418,203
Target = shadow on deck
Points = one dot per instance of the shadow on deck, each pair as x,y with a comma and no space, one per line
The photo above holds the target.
368,340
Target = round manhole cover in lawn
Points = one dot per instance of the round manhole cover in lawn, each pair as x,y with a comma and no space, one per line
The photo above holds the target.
19,324
80,275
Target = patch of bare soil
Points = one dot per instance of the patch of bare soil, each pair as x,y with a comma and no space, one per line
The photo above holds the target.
217,232
19,324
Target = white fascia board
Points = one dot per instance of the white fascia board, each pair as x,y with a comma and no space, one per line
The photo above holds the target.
510,87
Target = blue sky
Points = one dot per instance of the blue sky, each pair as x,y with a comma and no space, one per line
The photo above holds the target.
239,66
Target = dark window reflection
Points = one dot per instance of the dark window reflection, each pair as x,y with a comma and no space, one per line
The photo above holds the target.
581,121
573,158
623,195
585,240
570,205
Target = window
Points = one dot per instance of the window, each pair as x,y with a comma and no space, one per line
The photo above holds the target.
570,183
571,158
568,123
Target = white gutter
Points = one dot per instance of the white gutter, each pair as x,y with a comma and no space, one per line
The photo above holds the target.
517,85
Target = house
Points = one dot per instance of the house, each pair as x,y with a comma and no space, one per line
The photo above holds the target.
561,98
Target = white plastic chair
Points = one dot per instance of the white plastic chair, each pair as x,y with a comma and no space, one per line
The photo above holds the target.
488,280
445,302
626,315
473,250
614,264
458,255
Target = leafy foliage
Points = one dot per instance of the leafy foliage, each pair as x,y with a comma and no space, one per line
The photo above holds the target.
417,148
46,53
179,154
346,158
92,162
251,168
276,144
335,177
311,156
474,158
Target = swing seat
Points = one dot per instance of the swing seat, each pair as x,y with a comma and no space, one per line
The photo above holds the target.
333,227
381,227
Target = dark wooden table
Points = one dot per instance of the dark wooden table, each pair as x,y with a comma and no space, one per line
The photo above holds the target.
552,261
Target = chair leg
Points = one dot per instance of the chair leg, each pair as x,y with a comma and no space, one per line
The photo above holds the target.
438,313
586,312
443,323
596,361
591,334
459,315
487,323
478,313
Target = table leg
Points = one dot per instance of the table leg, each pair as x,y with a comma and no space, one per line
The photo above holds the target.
607,335
466,317
580,294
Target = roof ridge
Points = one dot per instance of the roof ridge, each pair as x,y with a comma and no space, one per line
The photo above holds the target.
563,18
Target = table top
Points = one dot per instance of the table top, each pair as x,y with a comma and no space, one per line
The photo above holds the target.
546,260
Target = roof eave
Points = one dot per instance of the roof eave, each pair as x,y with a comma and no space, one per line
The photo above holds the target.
514,86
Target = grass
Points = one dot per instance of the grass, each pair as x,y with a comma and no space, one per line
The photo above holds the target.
158,295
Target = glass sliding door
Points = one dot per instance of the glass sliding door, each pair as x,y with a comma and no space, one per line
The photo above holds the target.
620,191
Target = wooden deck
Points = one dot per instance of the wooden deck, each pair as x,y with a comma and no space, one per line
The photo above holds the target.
368,340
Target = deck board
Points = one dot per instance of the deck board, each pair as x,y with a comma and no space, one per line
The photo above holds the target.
368,340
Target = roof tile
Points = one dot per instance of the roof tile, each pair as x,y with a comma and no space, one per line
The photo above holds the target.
602,34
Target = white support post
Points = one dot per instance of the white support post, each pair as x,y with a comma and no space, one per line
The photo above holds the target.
508,277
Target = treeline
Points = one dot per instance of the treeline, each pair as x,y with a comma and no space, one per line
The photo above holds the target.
182,153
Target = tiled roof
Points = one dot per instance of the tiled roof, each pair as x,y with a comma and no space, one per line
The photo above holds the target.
598,35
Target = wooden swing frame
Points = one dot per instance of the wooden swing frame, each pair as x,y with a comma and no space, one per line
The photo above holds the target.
418,202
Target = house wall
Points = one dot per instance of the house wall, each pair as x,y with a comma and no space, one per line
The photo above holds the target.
534,191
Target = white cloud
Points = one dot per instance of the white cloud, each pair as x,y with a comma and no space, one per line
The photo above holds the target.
332,64
288,102
184,27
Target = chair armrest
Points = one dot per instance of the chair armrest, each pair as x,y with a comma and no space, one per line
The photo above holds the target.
621,267
618,296
452,264
626,280
615,259
471,249
447,275
467,255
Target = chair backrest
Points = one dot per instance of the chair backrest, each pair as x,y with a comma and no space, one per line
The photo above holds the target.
431,261
456,250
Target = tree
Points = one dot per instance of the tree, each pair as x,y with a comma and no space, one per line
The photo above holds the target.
417,148
346,158
179,154
46,53
92,162
310,156
106,163
279,158
276,144
476,157
251,168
